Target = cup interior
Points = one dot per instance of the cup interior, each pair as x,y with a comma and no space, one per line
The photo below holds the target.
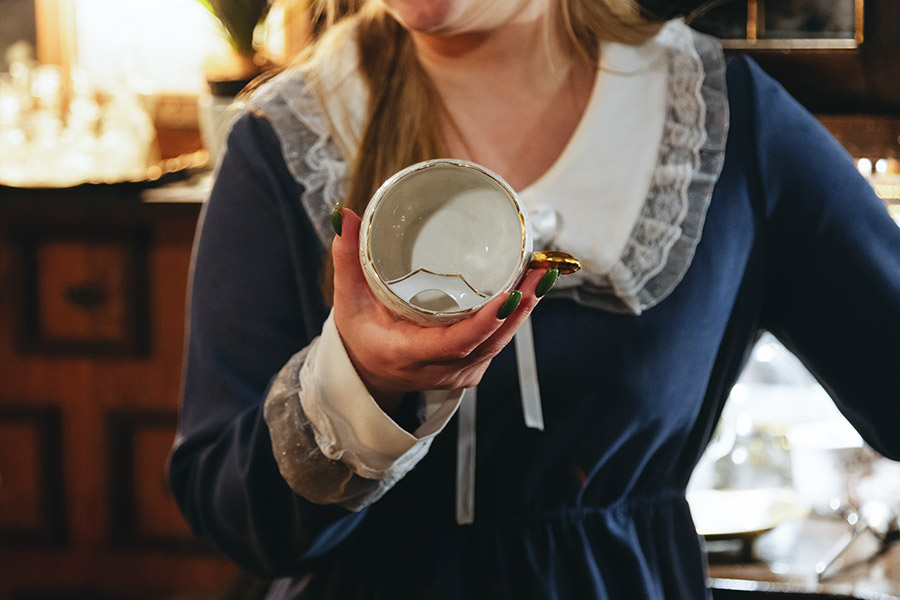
446,236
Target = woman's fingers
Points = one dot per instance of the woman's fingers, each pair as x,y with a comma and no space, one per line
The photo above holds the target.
491,346
481,337
351,290
392,354
486,332
344,248
458,341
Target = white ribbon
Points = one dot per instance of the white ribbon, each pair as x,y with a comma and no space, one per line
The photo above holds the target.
528,379
465,442
465,460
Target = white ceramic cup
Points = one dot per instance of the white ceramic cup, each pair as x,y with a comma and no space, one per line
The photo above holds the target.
441,238
822,457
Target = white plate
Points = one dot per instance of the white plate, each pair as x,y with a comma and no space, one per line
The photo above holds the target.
728,514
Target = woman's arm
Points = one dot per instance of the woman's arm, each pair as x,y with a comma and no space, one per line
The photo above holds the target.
833,255
254,304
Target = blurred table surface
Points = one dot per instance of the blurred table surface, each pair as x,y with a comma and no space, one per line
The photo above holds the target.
786,558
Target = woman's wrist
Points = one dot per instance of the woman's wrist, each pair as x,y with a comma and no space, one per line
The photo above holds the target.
387,397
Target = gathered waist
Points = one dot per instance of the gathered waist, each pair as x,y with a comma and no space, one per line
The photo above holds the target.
644,505
637,547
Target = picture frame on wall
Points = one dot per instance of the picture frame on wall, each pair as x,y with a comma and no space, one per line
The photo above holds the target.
32,502
784,24
82,291
143,513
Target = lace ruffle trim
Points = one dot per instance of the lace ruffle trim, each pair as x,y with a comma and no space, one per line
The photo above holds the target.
662,243
308,452
311,154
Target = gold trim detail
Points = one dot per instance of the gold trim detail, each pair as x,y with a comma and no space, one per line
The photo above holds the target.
430,272
752,20
566,263
756,36
790,44
860,23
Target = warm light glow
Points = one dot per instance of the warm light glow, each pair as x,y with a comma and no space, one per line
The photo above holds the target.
274,33
895,212
739,456
764,353
743,424
887,191
865,166
148,47
738,393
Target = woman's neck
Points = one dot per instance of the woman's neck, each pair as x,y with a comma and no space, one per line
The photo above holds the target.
513,96
526,55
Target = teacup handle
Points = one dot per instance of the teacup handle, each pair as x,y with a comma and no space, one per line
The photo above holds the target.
565,262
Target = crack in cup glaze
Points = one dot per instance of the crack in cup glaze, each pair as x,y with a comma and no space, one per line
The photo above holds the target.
443,237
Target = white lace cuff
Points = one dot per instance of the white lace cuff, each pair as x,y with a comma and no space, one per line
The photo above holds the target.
332,442
349,424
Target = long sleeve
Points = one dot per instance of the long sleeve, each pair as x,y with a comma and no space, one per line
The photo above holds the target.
254,304
332,442
279,441
833,281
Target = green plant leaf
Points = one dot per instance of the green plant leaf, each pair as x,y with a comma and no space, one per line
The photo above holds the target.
240,18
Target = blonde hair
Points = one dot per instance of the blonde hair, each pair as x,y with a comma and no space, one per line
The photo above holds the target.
401,126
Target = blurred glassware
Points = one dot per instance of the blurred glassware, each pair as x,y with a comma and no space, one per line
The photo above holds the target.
879,518
826,459
779,429
749,448
58,131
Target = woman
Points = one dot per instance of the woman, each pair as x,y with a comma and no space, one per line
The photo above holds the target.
318,444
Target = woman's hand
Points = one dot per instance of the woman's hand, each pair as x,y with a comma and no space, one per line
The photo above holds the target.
394,356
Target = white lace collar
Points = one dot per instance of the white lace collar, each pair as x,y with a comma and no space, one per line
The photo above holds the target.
631,201
675,187
589,200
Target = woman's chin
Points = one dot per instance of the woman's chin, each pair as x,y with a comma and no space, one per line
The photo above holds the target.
422,16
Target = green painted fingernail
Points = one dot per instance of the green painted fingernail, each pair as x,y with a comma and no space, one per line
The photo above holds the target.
511,304
337,219
547,282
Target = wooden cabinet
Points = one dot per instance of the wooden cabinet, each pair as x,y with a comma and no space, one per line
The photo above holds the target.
92,296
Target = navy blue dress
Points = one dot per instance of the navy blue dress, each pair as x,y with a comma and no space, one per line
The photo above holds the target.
794,242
